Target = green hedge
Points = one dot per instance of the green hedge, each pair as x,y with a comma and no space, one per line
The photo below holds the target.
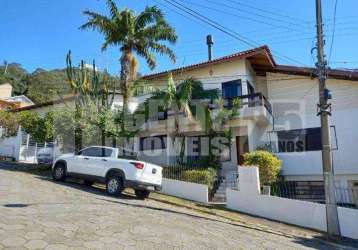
206,177
190,174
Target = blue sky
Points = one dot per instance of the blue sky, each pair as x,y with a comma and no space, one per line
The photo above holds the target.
38,33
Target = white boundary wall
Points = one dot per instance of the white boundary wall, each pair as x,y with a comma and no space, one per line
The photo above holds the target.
302,213
186,190
10,147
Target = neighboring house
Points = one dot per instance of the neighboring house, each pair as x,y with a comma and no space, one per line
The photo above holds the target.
12,102
5,105
9,147
23,147
19,101
5,90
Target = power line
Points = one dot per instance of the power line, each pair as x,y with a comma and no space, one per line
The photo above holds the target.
222,28
250,32
242,17
208,21
334,30
269,12
260,15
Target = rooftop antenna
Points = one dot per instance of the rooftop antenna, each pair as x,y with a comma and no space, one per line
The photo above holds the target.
210,43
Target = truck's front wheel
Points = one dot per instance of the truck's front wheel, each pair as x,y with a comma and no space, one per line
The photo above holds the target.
142,194
59,172
114,185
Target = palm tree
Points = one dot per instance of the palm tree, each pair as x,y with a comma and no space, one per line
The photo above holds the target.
184,99
140,34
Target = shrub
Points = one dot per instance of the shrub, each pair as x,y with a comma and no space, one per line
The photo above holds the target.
269,165
187,173
175,172
206,177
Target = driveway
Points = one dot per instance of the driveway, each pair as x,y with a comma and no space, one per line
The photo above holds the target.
37,213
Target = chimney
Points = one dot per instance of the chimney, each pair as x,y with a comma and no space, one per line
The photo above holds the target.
210,43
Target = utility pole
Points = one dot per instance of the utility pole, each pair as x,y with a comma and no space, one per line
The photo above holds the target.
324,112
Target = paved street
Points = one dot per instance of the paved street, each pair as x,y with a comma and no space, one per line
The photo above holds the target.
36,213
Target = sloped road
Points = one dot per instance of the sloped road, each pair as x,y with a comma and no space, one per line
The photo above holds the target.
37,213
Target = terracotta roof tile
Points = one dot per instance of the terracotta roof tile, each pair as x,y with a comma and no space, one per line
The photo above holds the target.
243,54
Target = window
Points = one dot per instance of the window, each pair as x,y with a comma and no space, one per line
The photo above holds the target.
250,89
196,145
162,115
231,89
96,152
107,152
153,143
299,140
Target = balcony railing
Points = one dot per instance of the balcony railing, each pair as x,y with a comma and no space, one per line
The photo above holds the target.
252,100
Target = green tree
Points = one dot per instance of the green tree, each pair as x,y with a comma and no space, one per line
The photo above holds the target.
269,165
40,128
140,34
64,125
16,76
33,124
44,86
9,123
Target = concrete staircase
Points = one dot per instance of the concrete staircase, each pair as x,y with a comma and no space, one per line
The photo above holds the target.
220,194
228,180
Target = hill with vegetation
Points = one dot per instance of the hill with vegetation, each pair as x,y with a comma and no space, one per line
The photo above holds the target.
40,86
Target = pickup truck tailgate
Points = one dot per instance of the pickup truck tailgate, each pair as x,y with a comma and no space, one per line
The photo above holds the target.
152,174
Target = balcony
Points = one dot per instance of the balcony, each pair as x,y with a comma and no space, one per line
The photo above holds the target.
252,100
253,107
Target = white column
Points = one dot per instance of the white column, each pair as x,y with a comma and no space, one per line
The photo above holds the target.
249,181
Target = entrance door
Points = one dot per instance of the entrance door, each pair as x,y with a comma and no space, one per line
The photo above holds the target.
242,147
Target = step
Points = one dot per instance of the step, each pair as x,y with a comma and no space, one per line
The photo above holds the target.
219,200
220,192
219,195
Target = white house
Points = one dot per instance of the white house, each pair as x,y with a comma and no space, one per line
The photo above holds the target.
279,109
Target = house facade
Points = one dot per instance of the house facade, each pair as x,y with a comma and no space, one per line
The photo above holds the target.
279,110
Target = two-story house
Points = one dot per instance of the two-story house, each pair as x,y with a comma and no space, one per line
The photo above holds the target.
279,109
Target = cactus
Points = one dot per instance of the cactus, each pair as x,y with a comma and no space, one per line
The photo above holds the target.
89,89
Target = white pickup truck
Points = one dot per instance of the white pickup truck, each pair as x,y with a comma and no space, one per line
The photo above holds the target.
103,165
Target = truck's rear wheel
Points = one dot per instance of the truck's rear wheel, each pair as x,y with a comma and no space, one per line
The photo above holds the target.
141,194
114,185
59,172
